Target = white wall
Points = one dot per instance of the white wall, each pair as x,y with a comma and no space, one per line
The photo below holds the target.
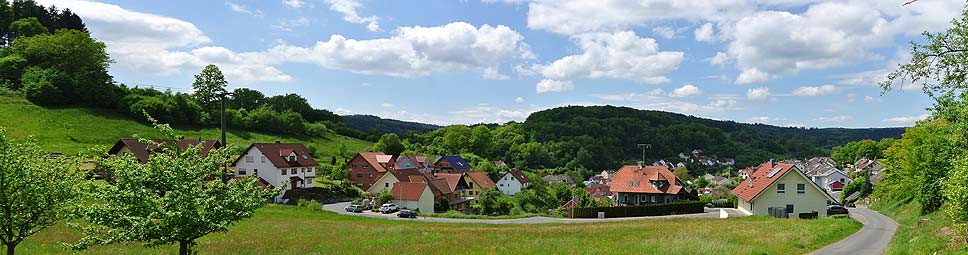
812,200
384,183
269,172
425,204
509,185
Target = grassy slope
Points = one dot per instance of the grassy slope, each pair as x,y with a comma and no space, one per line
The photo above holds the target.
278,229
933,237
98,127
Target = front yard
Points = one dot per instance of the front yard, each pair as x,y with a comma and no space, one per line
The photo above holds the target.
280,229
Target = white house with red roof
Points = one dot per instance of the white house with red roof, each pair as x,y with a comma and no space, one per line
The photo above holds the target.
287,165
513,182
778,185
638,185
414,196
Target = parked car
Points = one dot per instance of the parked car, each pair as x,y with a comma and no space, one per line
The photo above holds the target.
836,209
389,208
407,214
354,208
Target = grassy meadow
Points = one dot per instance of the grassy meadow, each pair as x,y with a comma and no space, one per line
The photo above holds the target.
937,236
278,229
72,130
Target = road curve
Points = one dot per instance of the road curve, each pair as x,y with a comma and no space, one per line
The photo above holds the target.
338,208
872,239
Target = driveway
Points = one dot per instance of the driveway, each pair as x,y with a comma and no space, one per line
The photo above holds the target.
338,208
872,239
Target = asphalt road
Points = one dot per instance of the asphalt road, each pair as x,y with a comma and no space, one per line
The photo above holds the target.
872,239
339,208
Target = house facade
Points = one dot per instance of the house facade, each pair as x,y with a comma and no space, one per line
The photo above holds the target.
638,185
559,179
831,180
413,161
451,164
287,165
142,151
777,185
367,168
414,196
477,182
513,182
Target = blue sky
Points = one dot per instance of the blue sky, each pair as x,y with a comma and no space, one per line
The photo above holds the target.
780,62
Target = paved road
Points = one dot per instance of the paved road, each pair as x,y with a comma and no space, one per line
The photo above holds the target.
338,208
872,239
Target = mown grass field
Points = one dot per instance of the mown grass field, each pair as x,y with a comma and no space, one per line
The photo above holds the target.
72,130
939,235
278,229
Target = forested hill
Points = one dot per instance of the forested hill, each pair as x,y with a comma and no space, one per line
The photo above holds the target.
364,123
610,130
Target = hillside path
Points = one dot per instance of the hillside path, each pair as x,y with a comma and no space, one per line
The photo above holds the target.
872,239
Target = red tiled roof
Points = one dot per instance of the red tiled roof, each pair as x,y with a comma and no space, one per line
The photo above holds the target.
520,176
452,179
141,150
760,181
640,178
277,153
480,178
439,186
371,158
409,191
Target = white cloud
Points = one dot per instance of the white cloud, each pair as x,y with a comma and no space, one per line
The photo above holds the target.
341,111
575,17
348,9
386,104
752,76
547,85
653,100
834,119
705,33
621,55
294,3
288,25
687,90
809,91
243,9
491,73
869,99
720,59
664,32
519,100
760,119
413,51
906,121
758,94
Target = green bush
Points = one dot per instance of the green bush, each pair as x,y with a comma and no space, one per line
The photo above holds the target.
42,86
641,210
309,204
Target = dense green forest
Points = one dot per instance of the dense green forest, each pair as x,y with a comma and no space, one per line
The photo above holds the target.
364,123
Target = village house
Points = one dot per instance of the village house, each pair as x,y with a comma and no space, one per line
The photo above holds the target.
368,167
414,196
513,182
410,161
559,179
832,179
141,151
287,165
393,176
477,182
599,191
778,186
637,185
451,164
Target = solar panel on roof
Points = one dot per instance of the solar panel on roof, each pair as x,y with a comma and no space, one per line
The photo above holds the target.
772,173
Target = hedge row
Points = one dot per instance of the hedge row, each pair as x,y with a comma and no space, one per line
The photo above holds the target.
641,210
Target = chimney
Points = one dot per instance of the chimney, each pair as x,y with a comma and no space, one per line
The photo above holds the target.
771,163
277,141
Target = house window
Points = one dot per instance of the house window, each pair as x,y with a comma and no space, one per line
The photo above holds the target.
282,171
801,188
302,170
780,188
292,158
386,184
841,180
293,171
255,171
630,183
263,159
241,171
359,175
371,176
248,159
309,181
309,170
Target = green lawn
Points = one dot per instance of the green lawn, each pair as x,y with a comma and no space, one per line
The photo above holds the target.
938,236
278,229
72,130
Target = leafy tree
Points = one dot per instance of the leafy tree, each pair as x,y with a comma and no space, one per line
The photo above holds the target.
389,144
41,86
178,196
208,87
11,69
701,182
340,171
682,173
6,17
80,58
244,98
481,140
442,205
487,202
36,191
384,197
27,27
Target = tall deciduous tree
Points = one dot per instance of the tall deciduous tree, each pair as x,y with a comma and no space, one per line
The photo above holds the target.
175,197
389,144
209,85
36,190
27,27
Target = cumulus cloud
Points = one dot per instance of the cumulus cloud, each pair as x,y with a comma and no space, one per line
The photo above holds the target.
809,91
687,90
653,100
414,51
834,119
758,94
519,100
906,120
294,3
719,59
664,32
705,33
621,55
348,9
575,17
547,85
491,73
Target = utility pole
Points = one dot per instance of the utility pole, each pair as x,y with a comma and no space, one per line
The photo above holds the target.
225,177
644,146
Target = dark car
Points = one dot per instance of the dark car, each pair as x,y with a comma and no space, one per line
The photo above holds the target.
836,209
354,208
407,214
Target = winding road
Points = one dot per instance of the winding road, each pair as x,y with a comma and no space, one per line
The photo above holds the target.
872,239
